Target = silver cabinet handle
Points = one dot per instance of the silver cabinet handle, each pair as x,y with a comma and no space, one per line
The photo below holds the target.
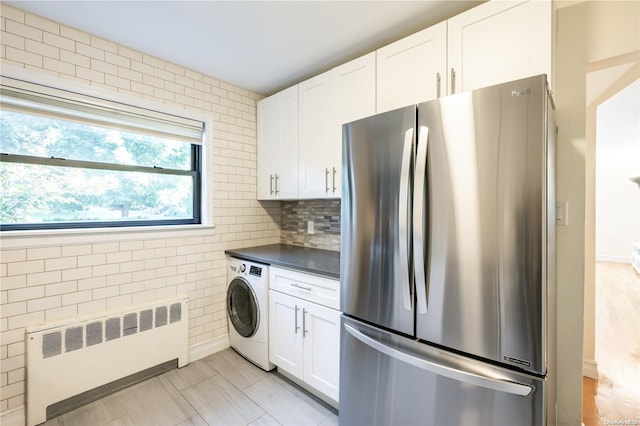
296,285
304,322
418,214
438,81
295,330
271,184
403,211
424,363
334,180
453,81
277,190
326,179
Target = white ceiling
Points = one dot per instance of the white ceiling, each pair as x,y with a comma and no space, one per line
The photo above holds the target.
263,46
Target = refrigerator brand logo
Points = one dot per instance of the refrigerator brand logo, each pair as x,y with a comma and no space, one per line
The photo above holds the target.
517,93
517,361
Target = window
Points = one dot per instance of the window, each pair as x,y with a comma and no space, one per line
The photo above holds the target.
74,161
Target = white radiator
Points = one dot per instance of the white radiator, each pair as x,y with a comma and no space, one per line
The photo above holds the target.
68,358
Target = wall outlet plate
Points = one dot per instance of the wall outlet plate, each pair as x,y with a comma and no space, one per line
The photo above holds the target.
311,229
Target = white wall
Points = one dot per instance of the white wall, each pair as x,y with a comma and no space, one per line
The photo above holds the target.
617,158
51,279
587,32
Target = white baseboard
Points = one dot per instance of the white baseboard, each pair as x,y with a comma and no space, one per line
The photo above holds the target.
16,416
590,368
613,259
13,417
203,349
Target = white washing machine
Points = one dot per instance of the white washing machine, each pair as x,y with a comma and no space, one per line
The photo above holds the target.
248,310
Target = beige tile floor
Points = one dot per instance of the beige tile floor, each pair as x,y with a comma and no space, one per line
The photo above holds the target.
221,389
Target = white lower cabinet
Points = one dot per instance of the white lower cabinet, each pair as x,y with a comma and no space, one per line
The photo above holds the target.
304,337
322,348
285,333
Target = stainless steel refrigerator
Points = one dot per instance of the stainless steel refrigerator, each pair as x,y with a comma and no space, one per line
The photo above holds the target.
447,261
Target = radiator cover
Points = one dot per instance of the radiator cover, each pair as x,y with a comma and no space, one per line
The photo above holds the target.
70,357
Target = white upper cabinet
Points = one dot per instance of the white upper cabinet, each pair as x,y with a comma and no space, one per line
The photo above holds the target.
278,145
327,101
355,98
412,70
300,129
499,41
317,117
355,86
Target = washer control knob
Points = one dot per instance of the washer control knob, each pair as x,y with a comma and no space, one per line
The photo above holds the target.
243,267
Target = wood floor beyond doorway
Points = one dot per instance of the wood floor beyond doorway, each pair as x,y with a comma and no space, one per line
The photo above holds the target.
615,397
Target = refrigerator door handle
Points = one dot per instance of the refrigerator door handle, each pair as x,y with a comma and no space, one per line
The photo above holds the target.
418,213
475,379
403,213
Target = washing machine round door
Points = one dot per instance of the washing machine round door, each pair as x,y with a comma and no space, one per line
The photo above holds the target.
242,307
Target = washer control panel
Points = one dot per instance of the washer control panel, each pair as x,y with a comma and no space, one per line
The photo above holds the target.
255,271
247,268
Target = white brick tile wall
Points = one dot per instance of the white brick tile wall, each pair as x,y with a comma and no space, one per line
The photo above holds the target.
12,40
62,281
76,250
61,42
76,273
35,305
59,263
22,30
11,309
43,24
42,49
92,259
61,288
13,282
43,278
91,283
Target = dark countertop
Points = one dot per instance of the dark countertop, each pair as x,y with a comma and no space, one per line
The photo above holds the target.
306,259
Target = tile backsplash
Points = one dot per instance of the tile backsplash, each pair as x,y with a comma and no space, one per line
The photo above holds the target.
325,215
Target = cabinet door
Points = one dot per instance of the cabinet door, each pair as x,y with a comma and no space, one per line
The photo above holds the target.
355,98
412,70
268,111
322,348
316,119
499,41
278,145
285,333
287,161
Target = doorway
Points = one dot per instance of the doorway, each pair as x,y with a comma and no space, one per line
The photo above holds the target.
612,304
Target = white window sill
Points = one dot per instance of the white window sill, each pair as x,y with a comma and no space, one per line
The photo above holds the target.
10,240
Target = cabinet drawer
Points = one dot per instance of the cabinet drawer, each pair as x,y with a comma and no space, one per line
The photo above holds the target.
313,288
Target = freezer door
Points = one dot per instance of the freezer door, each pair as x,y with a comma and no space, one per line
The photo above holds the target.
386,379
376,282
485,224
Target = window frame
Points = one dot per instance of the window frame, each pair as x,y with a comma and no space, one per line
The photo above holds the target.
201,159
